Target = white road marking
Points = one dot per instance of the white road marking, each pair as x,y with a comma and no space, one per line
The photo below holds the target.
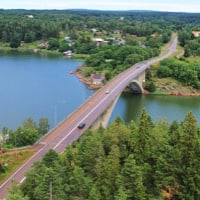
23,179
130,75
11,177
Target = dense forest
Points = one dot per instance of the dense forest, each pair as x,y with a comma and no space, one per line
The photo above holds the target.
115,40
143,160
187,72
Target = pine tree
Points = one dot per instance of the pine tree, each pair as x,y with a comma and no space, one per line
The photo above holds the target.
16,194
144,137
121,194
190,152
94,194
107,172
131,180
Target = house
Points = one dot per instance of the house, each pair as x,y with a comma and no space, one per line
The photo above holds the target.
154,35
99,41
117,31
122,42
143,46
94,30
119,42
98,33
196,33
68,53
67,39
97,78
43,43
30,16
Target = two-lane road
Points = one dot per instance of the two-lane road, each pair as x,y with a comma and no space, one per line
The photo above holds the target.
67,131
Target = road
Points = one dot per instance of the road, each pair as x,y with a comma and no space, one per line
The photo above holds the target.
66,132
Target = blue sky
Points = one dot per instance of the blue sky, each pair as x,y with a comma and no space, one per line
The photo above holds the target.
162,5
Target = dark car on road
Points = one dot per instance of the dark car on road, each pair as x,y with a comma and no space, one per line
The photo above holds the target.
81,125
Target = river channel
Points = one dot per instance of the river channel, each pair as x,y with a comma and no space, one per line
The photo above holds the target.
40,86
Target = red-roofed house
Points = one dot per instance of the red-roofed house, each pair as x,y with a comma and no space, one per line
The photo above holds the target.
97,78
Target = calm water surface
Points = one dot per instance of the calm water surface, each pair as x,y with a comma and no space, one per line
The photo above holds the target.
40,86
168,107
35,86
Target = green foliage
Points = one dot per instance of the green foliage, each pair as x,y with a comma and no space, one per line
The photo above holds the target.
151,87
15,41
43,126
53,44
114,59
131,179
140,161
16,193
187,72
26,135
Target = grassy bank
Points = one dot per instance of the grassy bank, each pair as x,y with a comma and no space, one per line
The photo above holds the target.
25,50
10,161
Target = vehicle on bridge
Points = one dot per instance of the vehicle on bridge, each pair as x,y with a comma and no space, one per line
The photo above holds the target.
107,91
81,125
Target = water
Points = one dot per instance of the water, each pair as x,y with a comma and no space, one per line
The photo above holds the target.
40,86
172,108
35,86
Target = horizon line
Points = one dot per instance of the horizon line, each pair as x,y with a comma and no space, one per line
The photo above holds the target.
99,10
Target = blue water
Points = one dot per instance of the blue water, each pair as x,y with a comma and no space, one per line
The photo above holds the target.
40,86
171,108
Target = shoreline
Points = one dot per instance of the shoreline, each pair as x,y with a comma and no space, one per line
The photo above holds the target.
37,51
86,80
91,86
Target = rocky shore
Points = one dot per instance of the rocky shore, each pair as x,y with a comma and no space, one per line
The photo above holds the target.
88,82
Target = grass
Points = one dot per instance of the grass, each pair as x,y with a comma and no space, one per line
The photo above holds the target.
160,93
194,58
12,161
80,56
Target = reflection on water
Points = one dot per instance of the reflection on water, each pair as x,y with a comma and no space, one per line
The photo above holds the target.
168,107
40,86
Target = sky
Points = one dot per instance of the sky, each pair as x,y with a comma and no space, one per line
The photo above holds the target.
158,5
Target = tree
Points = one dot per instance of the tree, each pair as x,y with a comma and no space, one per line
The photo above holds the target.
144,136
23,137
79,184
15,42
50,185
131,180
43,126
29,37
53,44
30,124
63,46
15,193
5,134
94,194
107,172
50,158
151,87
121,194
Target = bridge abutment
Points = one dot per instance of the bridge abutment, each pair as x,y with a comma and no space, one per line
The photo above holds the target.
136,84
104,118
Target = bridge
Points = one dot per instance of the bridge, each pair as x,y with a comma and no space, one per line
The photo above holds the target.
95,111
